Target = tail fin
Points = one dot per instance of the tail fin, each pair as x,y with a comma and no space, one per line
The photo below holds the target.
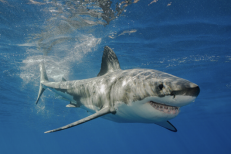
43,78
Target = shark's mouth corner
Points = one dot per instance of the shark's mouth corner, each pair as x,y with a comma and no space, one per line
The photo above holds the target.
165,108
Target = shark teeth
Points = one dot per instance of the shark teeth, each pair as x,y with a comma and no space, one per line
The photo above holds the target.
165,108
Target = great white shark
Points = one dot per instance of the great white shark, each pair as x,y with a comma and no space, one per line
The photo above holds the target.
130,96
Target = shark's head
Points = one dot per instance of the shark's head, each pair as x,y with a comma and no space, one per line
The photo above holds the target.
151,95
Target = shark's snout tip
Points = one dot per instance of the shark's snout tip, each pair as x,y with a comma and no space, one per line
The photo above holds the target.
196,91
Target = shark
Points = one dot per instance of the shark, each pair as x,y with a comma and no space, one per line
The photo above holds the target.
124,96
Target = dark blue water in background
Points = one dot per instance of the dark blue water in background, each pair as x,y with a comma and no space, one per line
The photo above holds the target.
189,39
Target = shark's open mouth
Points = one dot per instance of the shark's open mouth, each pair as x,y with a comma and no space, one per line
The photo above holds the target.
165,108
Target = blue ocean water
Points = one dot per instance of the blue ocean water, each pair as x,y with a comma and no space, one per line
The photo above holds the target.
189,39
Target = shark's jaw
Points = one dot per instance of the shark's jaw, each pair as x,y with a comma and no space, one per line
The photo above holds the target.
150,110
164,108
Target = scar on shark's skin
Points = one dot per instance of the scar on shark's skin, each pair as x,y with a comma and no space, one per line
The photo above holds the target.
131,96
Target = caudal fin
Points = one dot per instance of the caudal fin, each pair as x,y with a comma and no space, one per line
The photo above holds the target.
43,78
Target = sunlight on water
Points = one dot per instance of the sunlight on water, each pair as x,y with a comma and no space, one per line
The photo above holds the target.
59,61
61,42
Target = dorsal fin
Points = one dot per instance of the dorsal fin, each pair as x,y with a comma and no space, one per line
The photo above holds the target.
110,61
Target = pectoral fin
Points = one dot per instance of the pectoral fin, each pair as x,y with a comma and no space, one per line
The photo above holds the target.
167,125
102,112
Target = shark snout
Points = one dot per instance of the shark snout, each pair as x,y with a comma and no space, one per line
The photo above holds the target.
185,96
194,91
180,93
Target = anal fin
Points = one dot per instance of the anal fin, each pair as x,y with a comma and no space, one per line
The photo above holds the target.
100,113
167,125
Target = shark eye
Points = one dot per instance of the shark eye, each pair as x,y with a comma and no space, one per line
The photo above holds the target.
161,86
